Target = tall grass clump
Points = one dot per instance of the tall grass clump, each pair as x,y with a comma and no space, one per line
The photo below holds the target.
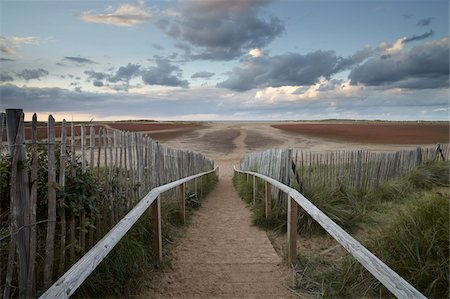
415,245
406,226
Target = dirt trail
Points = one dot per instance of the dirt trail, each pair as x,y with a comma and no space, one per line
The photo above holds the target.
222,254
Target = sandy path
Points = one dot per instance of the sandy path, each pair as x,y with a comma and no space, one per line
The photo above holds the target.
222,254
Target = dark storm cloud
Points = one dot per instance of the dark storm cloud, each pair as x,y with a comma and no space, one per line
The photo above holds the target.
202,75
29,74
289,69
79,60
222,29
6,60
422,67
164,73
126,73
6,78
424,22
419,37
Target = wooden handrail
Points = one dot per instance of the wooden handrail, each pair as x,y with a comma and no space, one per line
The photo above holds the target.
388,277
74,277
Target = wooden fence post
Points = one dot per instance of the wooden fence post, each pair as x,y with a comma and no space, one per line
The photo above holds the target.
268,201
50,240
62,178
182,205
156,229
20,199
291,231
31,284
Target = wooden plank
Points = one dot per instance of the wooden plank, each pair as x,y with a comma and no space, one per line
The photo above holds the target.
83,148
268,199
50,239
291,232
182,203
91,170
14,208
389,278
31,283
91,149
62,205
18,205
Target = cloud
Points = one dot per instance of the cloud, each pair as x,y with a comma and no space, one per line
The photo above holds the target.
126,15
96,75
419,37
358,57
202,75
424,22
422,67
290,69
10,45
256,52
157,46
389,49
97,83
125,73
29,74
372,104
6,59
162,74
79,60
222,29
6,78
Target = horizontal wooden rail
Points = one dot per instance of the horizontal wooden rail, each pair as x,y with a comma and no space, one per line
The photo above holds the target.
74,277
388,277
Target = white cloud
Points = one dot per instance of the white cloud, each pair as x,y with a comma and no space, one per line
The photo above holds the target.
10,45
126,15
256,52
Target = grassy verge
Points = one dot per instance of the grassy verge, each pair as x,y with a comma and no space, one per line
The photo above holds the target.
119,273
405,222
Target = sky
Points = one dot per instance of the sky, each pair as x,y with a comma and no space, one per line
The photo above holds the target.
226,59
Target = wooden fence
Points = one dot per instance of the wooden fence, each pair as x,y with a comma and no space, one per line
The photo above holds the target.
388,277
358,170
60,194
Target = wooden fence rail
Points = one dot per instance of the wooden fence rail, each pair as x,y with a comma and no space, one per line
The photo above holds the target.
388,277
74,277
68,188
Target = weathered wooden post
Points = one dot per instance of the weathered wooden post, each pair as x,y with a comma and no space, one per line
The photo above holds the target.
268,201
62,207
156,229
20,198
182,204
291,231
